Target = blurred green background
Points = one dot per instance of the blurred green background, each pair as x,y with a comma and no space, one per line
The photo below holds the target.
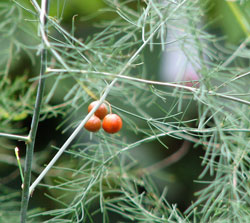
15,37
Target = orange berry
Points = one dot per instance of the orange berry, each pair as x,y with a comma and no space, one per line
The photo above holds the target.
93,124
102,110
112,123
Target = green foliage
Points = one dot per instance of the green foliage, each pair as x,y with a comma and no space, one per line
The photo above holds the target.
102,178
16,93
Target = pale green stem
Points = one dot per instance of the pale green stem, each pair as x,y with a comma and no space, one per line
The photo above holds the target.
16,137
19,163
191,89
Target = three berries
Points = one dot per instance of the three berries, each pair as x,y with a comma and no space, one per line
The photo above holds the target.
111,123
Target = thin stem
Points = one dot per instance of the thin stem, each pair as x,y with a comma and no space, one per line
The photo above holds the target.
173,85
13,136
110,108
19,163
35,119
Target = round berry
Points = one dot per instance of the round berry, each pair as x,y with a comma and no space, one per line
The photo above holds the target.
112,123
102,110
93,124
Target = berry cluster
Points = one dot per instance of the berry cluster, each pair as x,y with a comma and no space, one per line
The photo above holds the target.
111,123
